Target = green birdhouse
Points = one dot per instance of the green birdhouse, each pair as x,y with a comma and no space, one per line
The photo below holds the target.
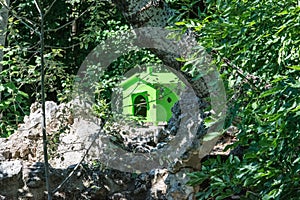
149,96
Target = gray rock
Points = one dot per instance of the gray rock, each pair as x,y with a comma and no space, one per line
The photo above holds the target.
70,135
177,186
10,178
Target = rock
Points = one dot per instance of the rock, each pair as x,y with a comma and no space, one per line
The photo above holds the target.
10,178
177,186
159,186
70,135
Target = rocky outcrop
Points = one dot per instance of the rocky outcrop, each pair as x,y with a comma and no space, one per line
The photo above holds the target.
25,180
22,167
71,143
10,178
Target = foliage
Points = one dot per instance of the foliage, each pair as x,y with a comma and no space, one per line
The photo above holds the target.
73,29
256,46
216,173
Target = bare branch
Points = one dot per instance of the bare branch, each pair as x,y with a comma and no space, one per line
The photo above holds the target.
49,8
65,47
70,22
78,164
23,20
37,6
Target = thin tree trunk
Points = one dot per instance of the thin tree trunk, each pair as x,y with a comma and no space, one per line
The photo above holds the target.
40,8
3,27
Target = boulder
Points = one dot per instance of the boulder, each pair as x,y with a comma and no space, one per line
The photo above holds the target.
72,138
10,178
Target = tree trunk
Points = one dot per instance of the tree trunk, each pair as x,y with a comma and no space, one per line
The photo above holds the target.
3,27
156,13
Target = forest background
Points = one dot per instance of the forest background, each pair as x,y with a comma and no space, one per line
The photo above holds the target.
254,44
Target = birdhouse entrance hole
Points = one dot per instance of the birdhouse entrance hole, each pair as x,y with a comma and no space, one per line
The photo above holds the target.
140,106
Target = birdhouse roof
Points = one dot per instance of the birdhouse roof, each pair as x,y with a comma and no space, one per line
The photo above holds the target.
150,78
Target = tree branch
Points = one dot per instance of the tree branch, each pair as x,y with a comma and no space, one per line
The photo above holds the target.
23,20
49,8
70,22
78,164
248,77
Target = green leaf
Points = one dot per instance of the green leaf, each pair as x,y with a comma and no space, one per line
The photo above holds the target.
23,94
269,92
296,109
295,67
181,59
10,87
295,85
2,88
283,13
180,23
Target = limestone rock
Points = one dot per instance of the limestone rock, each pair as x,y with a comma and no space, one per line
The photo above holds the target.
10,178
70,134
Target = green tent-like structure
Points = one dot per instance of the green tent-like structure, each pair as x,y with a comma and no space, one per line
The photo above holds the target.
149,96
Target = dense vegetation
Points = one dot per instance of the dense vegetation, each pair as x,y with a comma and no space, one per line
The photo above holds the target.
255,44
73,29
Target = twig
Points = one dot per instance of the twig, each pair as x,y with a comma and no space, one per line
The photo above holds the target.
66,47
48,9
32,23
38,7
238,70
70,22
78,164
